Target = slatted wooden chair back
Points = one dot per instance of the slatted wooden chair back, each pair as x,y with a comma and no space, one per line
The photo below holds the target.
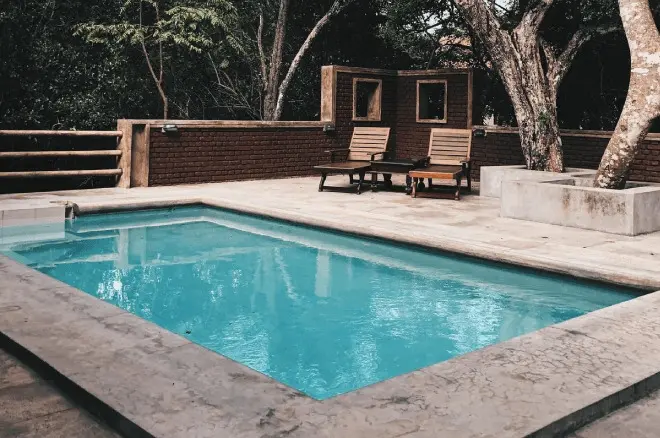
450,146
366,142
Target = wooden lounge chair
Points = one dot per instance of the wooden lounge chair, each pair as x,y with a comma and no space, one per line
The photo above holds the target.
449,158
367,144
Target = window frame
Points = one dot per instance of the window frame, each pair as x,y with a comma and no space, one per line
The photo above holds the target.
378,95
431,81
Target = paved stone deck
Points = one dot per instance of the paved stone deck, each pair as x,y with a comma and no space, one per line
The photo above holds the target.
31,408
548,382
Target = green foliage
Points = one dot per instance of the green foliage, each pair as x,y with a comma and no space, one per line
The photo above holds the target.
196,26
50,79
430,31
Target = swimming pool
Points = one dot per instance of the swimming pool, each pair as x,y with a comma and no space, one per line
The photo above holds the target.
322,312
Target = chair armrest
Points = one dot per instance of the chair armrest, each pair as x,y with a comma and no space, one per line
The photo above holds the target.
466,164
332,153
383,154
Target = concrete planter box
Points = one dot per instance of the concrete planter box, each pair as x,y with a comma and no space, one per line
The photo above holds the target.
492,177
572,202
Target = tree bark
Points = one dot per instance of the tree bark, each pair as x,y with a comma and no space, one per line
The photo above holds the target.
533,89
643,100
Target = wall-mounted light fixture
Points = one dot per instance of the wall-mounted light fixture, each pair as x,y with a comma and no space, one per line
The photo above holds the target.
169,128
328,127
479,132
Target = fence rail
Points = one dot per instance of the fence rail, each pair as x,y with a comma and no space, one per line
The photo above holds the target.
51,173
29,154
45,133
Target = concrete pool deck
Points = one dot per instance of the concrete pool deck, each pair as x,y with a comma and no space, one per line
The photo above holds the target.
548,382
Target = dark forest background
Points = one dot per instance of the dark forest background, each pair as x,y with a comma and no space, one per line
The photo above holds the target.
53,77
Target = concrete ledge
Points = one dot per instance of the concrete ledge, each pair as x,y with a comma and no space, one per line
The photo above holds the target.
573,202
492,177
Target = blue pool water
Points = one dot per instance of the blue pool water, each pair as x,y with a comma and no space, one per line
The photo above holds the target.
322,312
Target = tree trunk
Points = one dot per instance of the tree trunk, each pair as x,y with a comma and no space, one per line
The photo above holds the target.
531,83
517,58
166,109
273,82
534,100
275,91
540,139
643,101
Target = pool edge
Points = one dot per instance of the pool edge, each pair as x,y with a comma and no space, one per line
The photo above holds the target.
529,259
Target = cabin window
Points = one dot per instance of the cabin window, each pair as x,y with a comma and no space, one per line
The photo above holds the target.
367,99
432,101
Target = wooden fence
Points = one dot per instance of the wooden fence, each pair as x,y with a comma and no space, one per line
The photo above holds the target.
116,169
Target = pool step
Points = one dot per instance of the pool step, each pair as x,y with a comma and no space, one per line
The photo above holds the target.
27,223
28,215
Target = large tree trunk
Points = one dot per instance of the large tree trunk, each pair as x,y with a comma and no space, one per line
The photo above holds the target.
540,139
643,101
534,99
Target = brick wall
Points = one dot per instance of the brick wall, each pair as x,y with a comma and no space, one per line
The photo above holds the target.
203,155
199,155
412,137
503,148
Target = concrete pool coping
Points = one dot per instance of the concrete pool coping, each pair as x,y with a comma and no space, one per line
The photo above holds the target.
550,381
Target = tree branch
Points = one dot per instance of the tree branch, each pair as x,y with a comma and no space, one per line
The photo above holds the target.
157,80
559,65
160,44
485,25
531,21
335,9
262,54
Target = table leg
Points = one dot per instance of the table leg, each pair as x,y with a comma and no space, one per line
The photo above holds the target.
359,187
459,179
414,187
322,182
388,180
374,182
